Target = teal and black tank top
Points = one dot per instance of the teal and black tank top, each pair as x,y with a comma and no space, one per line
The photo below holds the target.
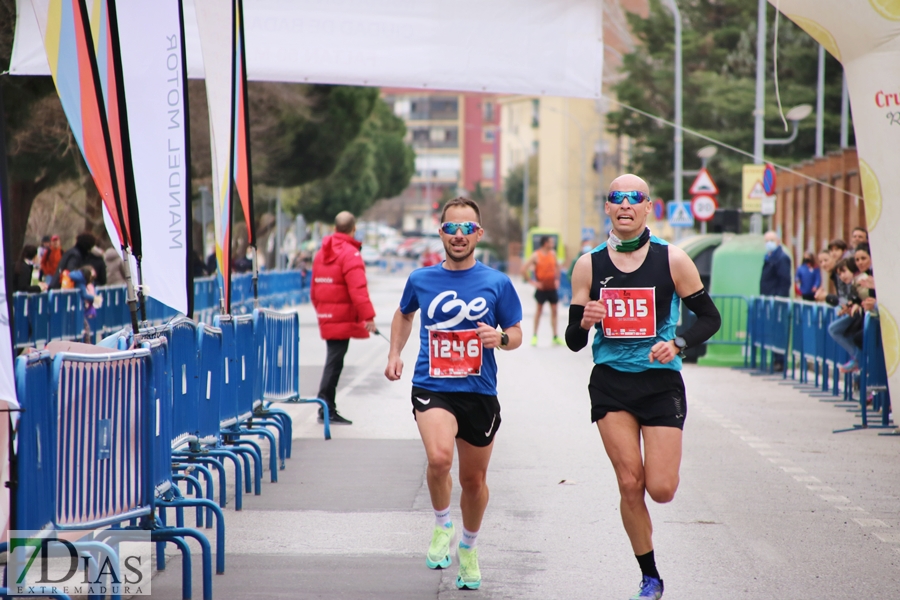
623,340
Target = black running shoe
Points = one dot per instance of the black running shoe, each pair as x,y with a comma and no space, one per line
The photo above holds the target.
335,419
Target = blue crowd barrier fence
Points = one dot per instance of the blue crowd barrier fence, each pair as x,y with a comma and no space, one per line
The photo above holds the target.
59,314
801,328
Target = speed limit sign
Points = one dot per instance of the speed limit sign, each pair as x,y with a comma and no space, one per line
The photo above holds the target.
704,207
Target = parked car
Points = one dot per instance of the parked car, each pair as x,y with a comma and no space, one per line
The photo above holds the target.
370,255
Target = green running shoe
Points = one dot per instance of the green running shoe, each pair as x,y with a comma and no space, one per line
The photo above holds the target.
534,340
469,574
557,341
438,556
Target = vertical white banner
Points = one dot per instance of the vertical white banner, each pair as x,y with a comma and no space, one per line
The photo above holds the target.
153,76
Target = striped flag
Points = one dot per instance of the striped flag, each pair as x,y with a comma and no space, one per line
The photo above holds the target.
221,40
85,70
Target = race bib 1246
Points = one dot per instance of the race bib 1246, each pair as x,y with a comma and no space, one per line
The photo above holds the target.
454,353
630,312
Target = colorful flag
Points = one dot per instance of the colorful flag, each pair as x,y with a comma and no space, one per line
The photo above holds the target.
242,179
218,26
91,98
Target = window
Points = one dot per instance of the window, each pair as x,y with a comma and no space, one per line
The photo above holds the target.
434,137
487,109
535,113
488,135
487,167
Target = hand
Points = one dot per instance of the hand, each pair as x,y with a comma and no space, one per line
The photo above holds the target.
556,284
370,326
820,295
853,308
594,312
394,368
663,352
490,336
867,282
868,303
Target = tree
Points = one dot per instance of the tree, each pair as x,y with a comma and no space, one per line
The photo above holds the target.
514,187
719,56
41,150
377,164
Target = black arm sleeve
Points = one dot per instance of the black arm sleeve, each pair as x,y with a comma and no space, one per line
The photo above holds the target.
576,337
708,318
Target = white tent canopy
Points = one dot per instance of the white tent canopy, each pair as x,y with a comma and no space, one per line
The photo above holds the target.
503,46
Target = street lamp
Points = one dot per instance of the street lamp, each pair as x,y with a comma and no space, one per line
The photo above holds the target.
679,135
705,153
795,115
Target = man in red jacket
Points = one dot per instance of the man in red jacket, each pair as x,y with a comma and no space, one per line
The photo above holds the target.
340,296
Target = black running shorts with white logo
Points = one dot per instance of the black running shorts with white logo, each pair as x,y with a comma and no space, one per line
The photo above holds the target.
477,415
655,397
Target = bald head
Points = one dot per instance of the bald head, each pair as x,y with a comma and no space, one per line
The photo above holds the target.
771,236
629,182
345,222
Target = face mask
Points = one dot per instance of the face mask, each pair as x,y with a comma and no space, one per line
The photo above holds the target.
770,246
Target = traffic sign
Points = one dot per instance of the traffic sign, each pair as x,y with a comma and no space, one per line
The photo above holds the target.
768,179
704,207
659,209
679,213
703,185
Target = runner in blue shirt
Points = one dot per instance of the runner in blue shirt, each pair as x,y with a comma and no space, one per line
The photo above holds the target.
468,310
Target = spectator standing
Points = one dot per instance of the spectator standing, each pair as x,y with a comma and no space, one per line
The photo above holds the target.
808,278
75,257
858,236
50,260
340,296
23,271
775,279
97,261
826,269
83,279
115,267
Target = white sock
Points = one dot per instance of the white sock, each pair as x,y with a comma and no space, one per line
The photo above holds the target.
468,538
442,518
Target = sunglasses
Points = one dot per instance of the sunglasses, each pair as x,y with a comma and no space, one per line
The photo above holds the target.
634,197
467,227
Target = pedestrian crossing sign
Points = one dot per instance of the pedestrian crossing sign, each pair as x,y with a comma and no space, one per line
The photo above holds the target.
679,213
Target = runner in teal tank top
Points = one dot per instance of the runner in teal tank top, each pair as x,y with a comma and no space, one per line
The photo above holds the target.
629,291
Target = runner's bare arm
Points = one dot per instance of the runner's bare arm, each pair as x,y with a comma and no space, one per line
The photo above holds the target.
401,326
584,313
689,287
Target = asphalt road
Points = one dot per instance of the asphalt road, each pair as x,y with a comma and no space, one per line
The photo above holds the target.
772,504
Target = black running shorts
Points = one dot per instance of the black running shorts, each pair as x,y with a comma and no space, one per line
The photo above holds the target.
551,296
477,415
655,396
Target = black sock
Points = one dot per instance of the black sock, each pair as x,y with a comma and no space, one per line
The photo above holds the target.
648,565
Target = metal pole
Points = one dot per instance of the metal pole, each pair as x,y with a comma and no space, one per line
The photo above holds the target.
679,134
845,113
279,234
760,111
820,104
526,204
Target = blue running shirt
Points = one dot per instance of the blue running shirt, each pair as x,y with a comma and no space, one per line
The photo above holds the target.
456,301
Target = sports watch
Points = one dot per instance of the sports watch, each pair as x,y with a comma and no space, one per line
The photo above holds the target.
680,343
504,339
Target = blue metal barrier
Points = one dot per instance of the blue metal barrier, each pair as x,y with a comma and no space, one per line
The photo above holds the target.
280,338
66,315
873,378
